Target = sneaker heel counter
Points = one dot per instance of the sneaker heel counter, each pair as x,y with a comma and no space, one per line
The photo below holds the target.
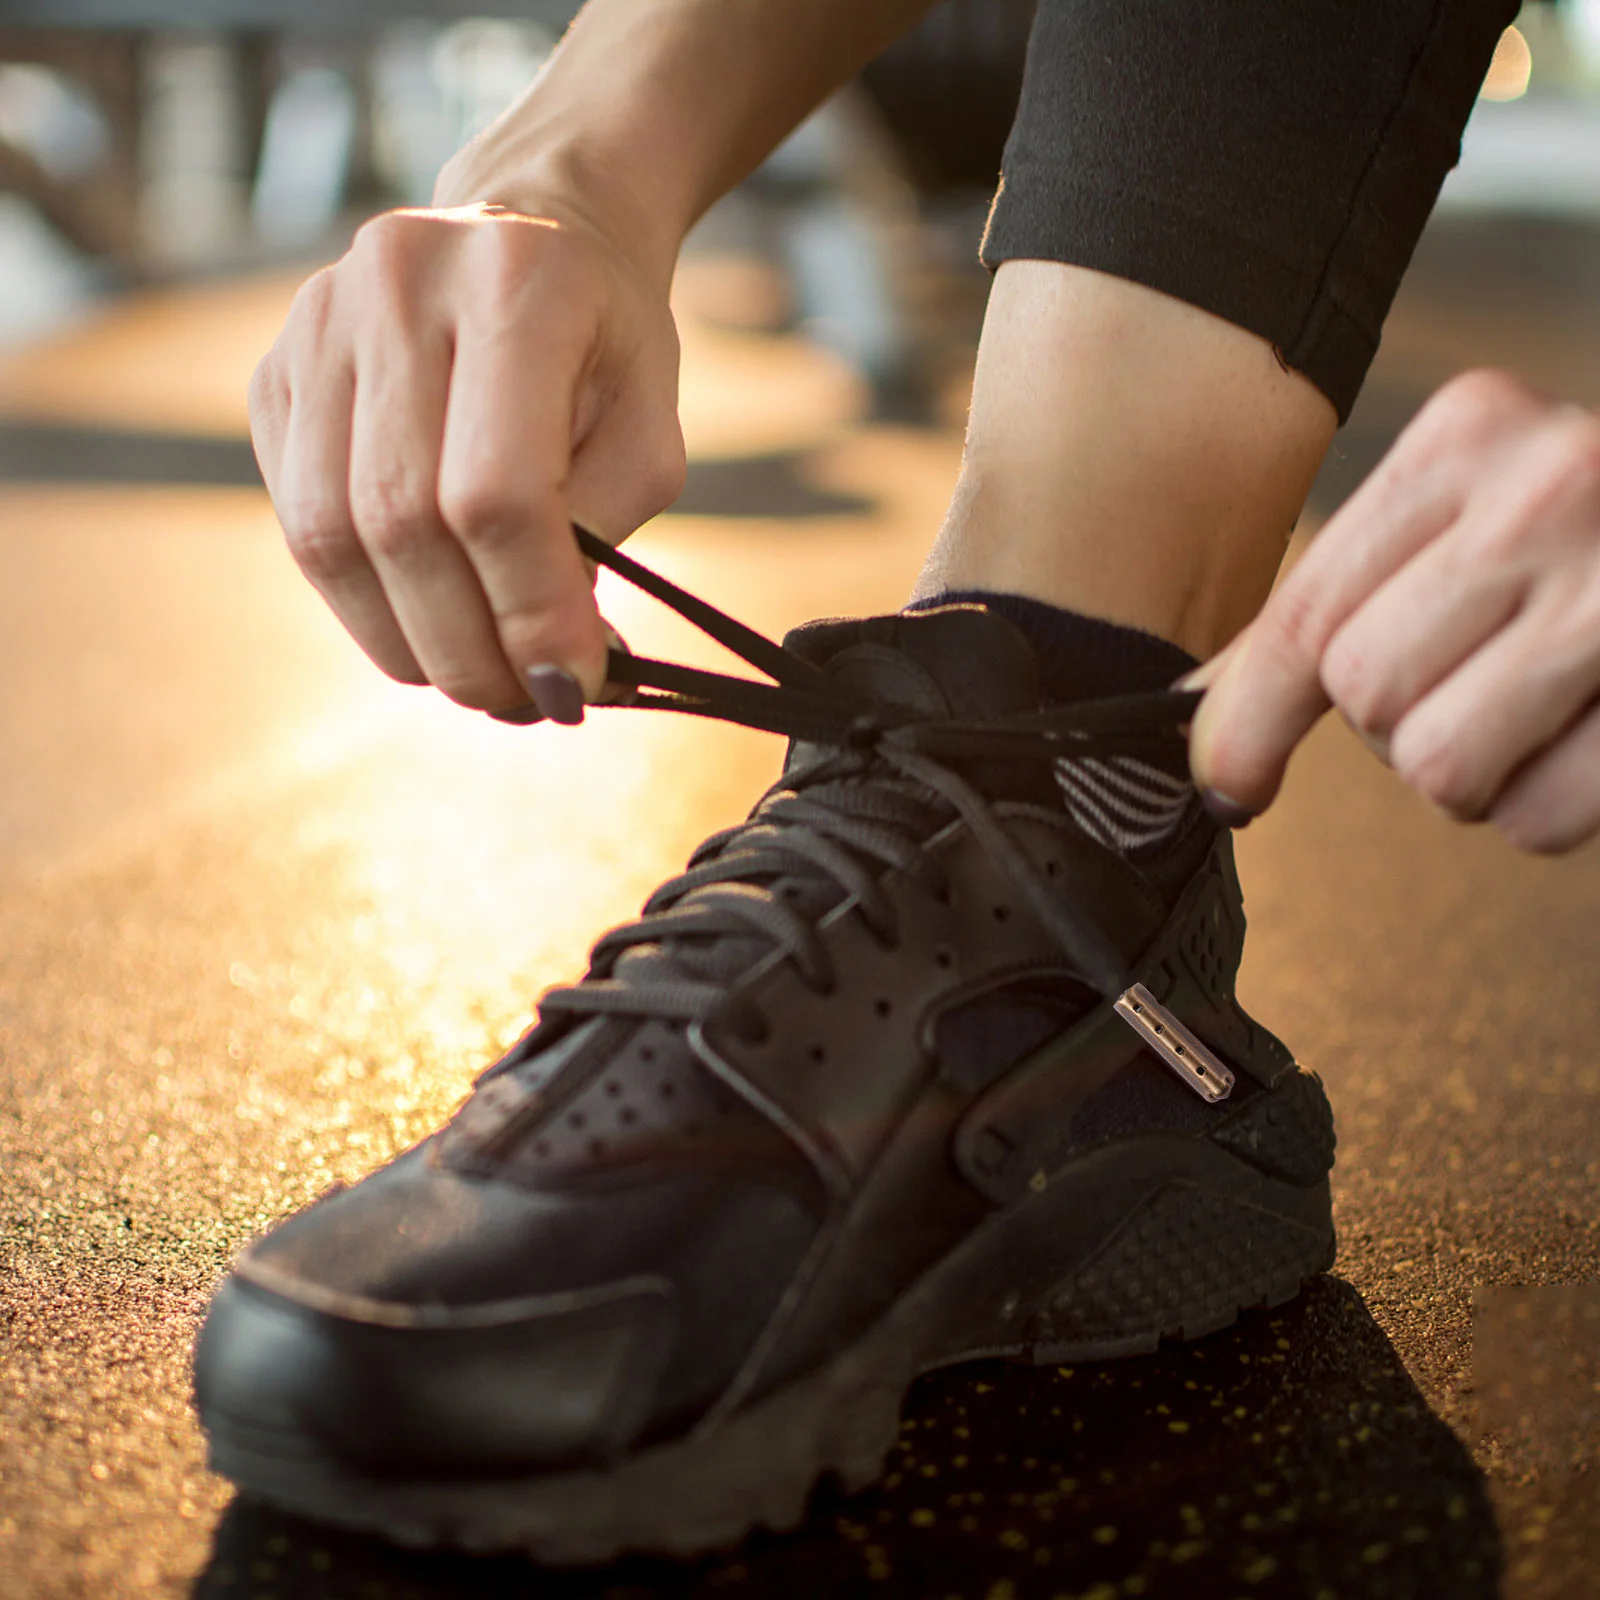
1287,1133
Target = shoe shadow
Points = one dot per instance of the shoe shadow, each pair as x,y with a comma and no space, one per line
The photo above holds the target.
1288,1456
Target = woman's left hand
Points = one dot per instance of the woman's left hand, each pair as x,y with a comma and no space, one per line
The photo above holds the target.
1451,611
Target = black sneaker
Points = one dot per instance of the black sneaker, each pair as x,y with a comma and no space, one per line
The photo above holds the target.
902,1071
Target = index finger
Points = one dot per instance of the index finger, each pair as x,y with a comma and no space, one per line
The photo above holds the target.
503,472
1269,695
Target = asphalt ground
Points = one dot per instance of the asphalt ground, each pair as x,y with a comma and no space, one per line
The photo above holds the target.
263,915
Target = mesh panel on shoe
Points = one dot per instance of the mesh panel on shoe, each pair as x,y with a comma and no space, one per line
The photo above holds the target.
1146,1098
985,1037
630,1097
650,1101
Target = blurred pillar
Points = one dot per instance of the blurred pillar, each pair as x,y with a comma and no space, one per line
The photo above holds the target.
194,151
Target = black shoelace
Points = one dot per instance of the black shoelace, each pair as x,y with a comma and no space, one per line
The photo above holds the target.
822,822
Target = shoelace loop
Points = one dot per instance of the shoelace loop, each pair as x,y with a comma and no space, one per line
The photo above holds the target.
815,820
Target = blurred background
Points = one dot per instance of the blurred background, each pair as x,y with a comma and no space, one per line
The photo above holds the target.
263,914
150,143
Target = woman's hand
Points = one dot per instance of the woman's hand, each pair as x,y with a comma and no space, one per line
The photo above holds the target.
1451,611
440,407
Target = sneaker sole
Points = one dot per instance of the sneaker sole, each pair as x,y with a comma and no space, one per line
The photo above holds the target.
1164,1237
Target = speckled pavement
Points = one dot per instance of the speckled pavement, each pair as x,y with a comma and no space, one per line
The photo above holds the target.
262,917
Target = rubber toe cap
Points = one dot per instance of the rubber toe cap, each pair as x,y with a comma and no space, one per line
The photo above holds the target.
415,1391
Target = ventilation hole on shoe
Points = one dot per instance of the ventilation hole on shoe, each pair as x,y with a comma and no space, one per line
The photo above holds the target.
1052,869
628,1116
597,1148
576,1120
646,1053
817,1053
1002,913
882,1007
613,1088
541,1148
790,891
668,1090
944,958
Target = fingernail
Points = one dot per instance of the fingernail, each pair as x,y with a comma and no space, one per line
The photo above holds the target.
557,694
521,717
1206,674
1226,811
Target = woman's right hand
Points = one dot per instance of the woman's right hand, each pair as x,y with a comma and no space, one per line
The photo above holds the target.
441,405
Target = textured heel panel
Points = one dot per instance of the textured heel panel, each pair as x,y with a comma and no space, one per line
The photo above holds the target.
1287,1132
1184,1264
1192,966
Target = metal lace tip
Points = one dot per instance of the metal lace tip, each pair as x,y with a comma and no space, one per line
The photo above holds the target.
1176,1046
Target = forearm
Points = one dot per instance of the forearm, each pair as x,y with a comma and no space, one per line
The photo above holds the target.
649,110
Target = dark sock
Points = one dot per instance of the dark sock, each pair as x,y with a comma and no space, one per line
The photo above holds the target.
1080,658
1131,805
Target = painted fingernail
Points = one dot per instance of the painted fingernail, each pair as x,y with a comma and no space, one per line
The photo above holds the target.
556,693
1228,812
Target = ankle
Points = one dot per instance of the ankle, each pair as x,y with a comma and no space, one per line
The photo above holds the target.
1128,457
1134,561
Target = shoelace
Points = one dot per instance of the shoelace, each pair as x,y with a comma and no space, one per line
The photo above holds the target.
822,820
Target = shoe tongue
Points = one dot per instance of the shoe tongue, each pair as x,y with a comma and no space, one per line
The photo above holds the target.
959,661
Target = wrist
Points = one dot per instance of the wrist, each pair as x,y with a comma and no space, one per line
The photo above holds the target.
525,165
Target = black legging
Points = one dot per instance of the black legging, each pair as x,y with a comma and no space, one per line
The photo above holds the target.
1272,161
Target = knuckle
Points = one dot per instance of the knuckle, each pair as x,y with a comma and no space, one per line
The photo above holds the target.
321,540
1297,622
1581,621
483,514
1357,686
384,255
511,261
1481,400
662,477
1462,419
267,392
532,634
506,250
394,524
1436,771
1577,456
384,238
312,306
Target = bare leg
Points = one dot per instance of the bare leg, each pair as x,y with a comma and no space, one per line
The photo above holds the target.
1128,456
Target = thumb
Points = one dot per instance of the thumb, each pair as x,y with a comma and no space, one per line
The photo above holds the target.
1264,694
